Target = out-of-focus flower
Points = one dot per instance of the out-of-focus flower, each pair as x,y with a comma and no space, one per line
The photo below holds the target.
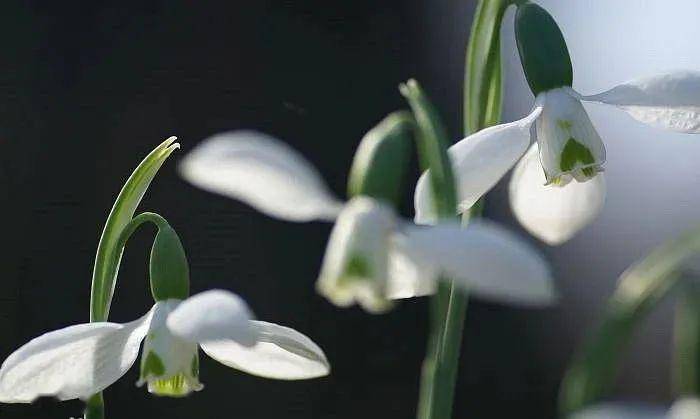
686,408
372,255
79,361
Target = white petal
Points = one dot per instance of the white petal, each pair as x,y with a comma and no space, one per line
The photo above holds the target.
670,100
408,279
210,315
74,362
569,144
355,266
484,258
281,353
685,408
553,214
263,172
620,411
479,162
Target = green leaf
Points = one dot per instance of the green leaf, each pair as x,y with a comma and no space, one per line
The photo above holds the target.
109,250
639,290
382,158
432,143
483,76
686,362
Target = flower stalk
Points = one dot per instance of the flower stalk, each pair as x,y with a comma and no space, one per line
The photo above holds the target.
686,362
111,247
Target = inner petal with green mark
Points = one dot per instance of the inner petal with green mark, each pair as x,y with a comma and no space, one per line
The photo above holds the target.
576,156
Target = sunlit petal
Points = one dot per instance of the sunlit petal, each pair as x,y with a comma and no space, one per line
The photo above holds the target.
484,258
211,315
685,408
553,214
670,100
621,411
408,279
280,353
479,162
74,362
263,172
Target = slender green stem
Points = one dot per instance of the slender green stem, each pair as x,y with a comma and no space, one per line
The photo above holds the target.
94,407
686,365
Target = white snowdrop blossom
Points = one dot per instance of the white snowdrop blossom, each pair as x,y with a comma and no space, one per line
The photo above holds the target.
372,256
685,408
569,150
78,361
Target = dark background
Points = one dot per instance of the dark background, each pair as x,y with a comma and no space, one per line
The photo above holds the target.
89,88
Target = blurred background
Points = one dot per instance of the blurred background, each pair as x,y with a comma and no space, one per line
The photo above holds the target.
88,88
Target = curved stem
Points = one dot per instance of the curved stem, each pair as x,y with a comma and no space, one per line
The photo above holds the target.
95,407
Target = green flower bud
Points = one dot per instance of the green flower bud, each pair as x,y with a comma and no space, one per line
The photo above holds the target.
170,272
381,159
543,52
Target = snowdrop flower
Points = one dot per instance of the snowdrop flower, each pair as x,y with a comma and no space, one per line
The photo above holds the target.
686,408
372,254
571,153
79,361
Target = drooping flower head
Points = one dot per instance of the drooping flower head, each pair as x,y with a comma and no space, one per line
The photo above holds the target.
79,361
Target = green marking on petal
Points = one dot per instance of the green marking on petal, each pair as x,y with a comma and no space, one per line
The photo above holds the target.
152,366
194,368
565,124
175,386
589,172
357,267
573,153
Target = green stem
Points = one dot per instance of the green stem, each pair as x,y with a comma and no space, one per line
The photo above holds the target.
95,407
686,365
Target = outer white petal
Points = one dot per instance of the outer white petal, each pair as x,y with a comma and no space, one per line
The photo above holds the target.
621,411
408,279
263,172
74,362
479,162
686,408
552,213
214,314
486,259
281,353
670,100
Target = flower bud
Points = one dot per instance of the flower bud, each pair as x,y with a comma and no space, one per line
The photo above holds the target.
543,52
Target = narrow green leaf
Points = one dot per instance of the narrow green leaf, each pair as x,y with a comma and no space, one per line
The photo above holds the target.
639,290
109,252
382,158
432,143
686,362
483,76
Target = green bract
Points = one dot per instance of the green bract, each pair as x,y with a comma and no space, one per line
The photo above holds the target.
543,52
170,272
381,160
